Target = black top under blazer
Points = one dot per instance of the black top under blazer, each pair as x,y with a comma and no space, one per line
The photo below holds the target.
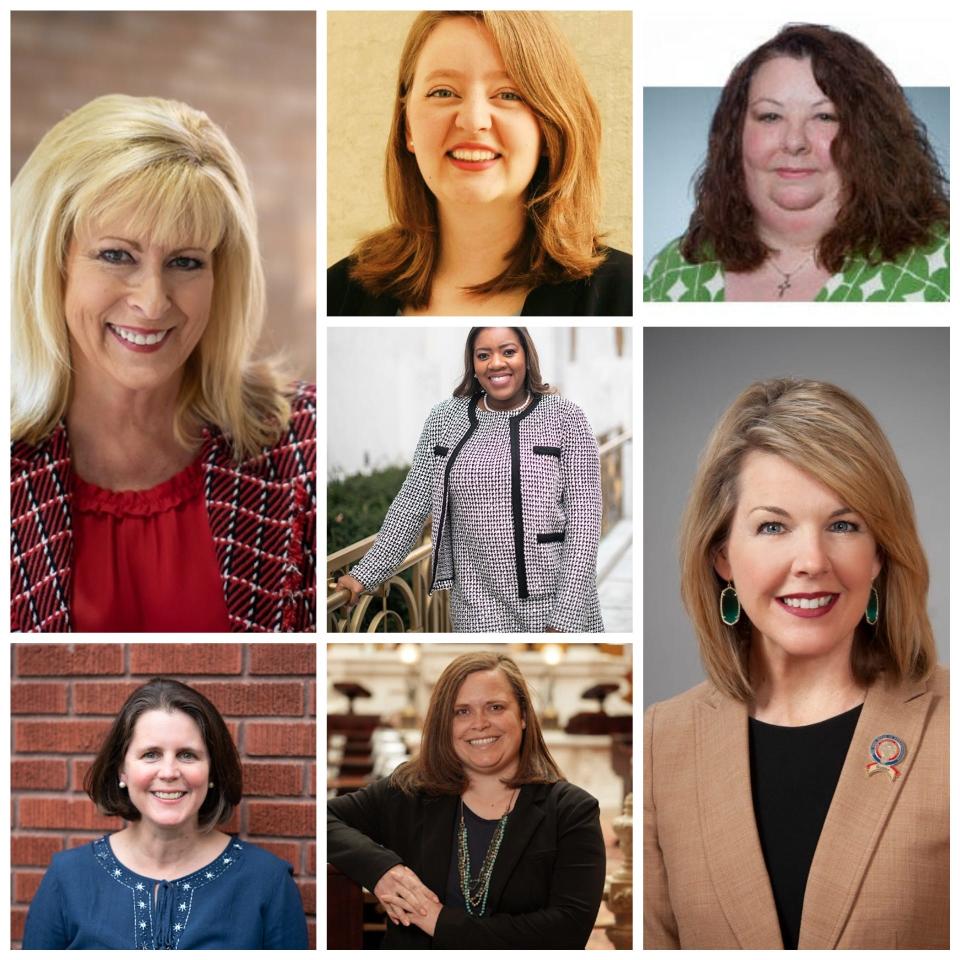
547,881
608,292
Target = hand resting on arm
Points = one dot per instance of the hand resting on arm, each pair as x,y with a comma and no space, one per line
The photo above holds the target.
405,899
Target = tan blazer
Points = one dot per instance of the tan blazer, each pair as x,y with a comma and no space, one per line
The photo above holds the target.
880,875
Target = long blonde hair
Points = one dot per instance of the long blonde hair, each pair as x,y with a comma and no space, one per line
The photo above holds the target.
829,434
174,175
562,239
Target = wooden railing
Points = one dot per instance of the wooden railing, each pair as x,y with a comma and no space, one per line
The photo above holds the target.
431,614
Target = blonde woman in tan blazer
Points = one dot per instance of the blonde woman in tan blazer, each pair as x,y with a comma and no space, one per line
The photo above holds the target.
799,797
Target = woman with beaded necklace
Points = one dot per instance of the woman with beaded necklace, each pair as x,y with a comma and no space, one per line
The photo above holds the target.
511,472
478,841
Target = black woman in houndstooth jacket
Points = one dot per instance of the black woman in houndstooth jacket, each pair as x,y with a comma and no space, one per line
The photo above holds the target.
510,473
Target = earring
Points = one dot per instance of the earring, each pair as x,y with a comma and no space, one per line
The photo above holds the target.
409,144
873,607
123,785
211,784
729,605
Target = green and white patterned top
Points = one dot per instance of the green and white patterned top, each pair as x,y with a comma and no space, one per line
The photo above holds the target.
919,274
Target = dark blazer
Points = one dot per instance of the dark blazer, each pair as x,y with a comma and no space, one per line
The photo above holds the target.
607,293
547,880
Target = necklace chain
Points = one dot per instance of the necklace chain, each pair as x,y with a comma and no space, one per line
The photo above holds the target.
476,889
785,284
516,409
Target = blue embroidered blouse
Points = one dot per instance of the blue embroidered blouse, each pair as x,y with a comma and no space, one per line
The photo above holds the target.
244,900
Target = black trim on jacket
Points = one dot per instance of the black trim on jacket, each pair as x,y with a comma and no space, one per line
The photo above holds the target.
438,534
516,497
607,292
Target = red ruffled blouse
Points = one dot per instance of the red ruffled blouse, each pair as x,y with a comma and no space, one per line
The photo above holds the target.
144,560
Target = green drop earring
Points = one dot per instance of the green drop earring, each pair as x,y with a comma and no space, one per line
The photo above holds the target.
873,607
729,605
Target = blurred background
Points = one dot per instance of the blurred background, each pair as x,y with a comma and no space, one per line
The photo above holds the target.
363,56
253,73
377,697
404,372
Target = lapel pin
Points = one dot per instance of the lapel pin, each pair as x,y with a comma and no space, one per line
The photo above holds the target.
886,750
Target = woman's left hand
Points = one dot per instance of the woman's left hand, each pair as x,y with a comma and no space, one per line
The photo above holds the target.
428,923
552,630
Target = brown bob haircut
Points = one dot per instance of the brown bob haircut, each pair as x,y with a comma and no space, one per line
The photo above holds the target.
561,241
102,781
437,770
469,387
894,190
830,435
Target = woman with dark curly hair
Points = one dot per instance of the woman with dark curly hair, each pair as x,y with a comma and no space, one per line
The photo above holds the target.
819,184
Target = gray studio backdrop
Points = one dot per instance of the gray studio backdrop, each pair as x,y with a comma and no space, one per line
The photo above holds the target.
691,375
676,121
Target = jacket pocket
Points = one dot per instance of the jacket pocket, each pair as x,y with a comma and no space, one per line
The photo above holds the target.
544,552
548,451
551,537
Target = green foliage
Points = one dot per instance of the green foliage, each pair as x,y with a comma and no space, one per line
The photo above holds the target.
357,505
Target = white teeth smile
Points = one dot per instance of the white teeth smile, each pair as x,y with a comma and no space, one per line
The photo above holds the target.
805,604
168,796
480,743
140,339
473,156
500,378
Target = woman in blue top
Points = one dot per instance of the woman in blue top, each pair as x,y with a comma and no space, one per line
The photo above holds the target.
170,880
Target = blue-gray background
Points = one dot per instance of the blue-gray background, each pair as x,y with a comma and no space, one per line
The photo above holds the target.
676,121
692,374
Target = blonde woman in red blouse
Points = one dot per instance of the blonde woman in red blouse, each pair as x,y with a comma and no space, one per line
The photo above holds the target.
160,479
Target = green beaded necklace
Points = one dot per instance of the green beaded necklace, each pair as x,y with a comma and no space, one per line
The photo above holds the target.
476,889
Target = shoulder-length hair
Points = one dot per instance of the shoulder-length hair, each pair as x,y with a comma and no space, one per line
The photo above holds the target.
102,781
437,770
171,173
827,433
894,193
534,382
561,240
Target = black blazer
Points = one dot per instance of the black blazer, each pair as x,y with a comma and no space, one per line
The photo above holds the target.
547,880
608,292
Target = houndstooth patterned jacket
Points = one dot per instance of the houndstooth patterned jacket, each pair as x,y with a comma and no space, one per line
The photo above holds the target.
528,508
262,515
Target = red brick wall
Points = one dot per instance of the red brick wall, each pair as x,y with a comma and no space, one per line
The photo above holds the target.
64,698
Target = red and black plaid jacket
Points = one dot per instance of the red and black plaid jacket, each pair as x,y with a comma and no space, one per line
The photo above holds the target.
262,512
